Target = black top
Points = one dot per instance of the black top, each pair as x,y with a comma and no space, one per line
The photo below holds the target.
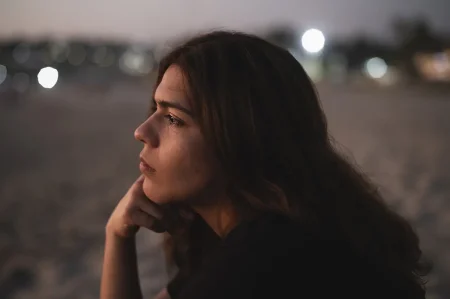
272,257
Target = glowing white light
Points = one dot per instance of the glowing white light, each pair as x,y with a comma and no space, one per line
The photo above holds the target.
376,68
47,77
136,62
3,73
313,41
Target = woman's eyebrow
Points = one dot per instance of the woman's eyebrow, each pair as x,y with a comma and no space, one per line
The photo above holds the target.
174,105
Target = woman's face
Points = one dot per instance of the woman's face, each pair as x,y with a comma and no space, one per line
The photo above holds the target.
180,164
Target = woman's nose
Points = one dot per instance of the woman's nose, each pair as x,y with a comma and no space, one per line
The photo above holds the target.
138,134
145,133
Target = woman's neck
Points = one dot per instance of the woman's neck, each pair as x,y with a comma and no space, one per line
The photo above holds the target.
221,217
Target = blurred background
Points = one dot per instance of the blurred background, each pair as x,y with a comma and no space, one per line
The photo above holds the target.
76,78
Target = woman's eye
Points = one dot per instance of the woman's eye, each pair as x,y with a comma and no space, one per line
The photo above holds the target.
173,121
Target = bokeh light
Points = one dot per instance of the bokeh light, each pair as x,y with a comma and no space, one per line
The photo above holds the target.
313,41
59,51
21,53
376,67
103,56
48,77
136,62
3,73
77,55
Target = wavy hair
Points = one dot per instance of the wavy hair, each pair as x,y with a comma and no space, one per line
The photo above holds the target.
260,112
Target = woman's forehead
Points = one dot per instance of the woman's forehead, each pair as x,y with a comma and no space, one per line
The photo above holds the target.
173,84
174,80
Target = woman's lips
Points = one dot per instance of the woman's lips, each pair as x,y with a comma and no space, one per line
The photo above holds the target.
144,167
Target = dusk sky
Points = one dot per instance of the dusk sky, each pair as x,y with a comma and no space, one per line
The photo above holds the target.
152,20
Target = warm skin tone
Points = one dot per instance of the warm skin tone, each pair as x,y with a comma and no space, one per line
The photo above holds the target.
177,165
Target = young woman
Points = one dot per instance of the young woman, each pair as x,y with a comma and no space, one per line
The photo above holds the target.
238,169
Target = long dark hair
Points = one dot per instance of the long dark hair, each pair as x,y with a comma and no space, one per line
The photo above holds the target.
260,112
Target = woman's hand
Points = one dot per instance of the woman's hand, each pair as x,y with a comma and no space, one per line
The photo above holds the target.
133,211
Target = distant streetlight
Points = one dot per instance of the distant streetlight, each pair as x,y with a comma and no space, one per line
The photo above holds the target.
313,41
136,62
376,67
47,77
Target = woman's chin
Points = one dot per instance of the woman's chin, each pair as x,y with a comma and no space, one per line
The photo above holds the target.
162,195
153,194
148,190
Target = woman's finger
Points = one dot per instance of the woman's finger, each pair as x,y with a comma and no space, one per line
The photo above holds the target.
149,207
136,188
141,218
